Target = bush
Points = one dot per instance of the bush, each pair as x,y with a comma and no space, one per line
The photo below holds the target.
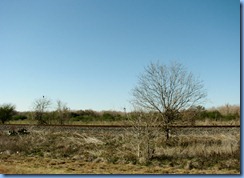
230,117
7,111
211,115
74,114
19,117
108,117
85,118
76,118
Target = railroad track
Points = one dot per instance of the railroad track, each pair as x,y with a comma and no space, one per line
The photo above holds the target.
100,129
116,126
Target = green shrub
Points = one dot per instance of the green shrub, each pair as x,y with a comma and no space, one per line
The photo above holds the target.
75,119
74,114
211,115
84,118
108,117
7,111
19,117
230,117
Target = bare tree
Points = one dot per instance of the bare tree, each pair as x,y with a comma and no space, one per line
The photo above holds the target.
167,90
41,107
62,112
143,134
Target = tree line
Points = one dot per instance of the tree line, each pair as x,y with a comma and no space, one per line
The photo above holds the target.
66,116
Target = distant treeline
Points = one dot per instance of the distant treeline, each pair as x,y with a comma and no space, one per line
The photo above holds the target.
223,113
70,116
90,115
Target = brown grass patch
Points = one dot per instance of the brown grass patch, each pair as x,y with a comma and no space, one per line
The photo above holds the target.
47,152
37,165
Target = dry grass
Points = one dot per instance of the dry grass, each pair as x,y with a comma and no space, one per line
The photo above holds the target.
31,121
66,152
212,122
203,152
37,165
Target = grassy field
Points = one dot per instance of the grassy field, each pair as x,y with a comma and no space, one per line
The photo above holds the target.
16,164
69,152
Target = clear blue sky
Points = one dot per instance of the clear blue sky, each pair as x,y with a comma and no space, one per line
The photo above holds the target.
89,53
